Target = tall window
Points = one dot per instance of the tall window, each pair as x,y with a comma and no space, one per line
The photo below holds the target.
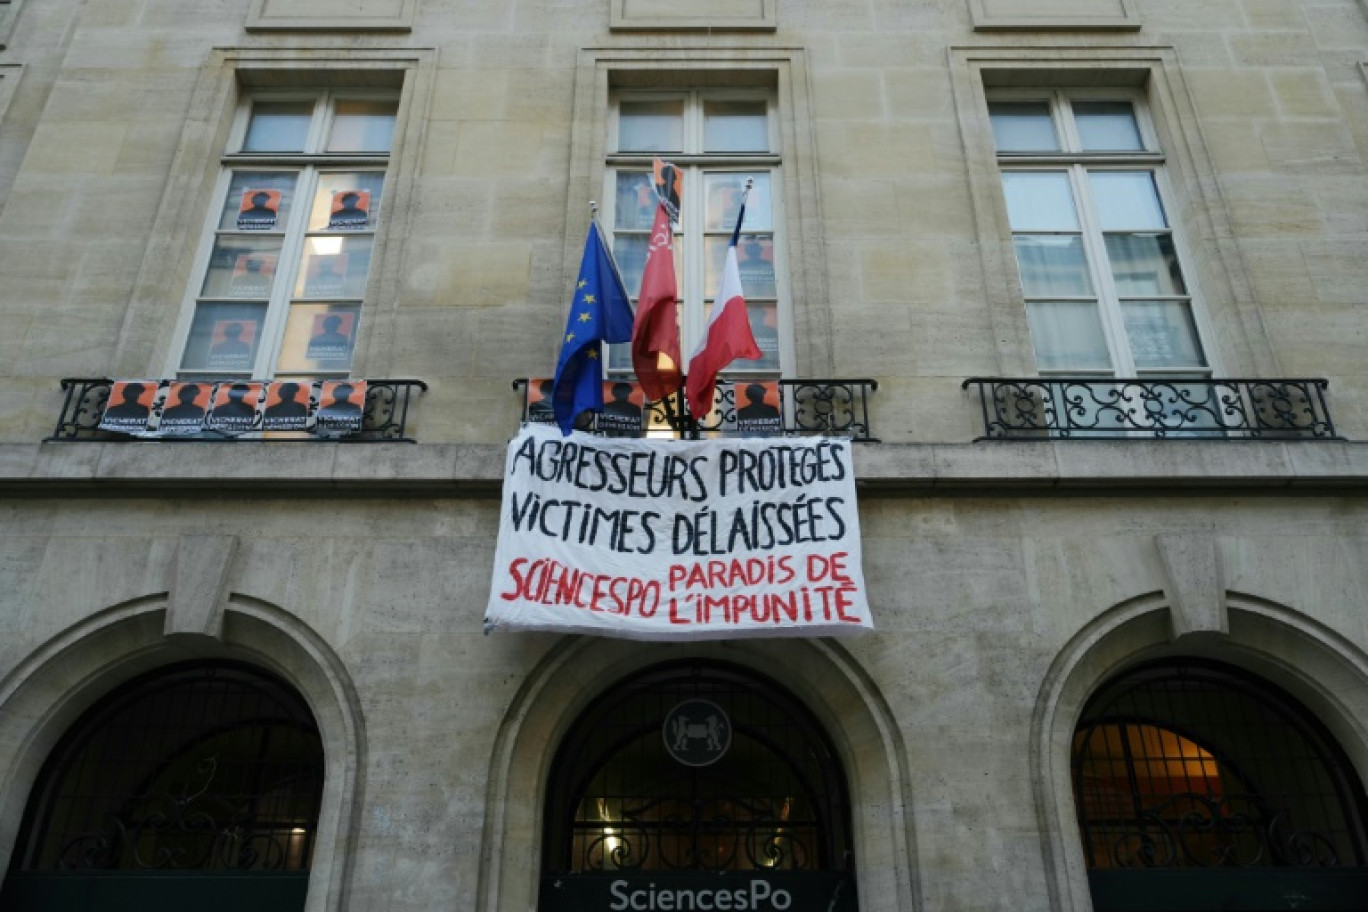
718,140
765,791
194,786
1197,766
287,253
1100,267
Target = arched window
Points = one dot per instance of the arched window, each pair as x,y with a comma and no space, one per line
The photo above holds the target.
204,768
1198,768
698,767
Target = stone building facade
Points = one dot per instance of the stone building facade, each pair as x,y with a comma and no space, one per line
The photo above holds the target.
1120,656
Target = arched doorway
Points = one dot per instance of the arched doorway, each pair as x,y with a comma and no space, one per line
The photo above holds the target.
690,781
196,785
1201,787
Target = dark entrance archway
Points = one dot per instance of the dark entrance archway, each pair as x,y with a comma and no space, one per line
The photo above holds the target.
1201,787
194,786
695,779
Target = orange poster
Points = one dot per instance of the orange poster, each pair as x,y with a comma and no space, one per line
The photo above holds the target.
350,209
287,406
259,210
129,406
184,408
757,408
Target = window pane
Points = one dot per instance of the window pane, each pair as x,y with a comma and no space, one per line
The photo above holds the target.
1023,126
635,204
1107,126
651,126
724,190
1068,336
334,267
1052,265
362,126
764,321
754,262
223,337
1144,264
278,126
1127,200
241,267
1039,201
347,201
620,356
735,126
319,337
629,250
258,201
1162,334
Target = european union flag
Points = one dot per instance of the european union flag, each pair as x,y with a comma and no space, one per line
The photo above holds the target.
601,312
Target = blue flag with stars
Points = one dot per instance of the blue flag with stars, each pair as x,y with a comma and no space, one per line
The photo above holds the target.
601,312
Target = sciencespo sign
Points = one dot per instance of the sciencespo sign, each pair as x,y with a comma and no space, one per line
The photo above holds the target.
730,891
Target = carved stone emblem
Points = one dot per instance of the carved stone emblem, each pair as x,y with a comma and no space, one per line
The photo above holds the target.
697,733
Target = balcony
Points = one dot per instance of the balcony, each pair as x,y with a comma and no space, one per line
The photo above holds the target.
776,408
1082,408
384,416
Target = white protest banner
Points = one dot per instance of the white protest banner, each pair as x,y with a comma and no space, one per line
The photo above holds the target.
677,540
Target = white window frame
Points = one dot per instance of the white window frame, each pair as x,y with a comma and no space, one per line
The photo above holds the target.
694,163
309,165
1077,163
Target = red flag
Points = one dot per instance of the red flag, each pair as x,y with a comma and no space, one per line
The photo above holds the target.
655,335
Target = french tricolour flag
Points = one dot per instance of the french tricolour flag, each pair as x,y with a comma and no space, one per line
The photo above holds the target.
727,337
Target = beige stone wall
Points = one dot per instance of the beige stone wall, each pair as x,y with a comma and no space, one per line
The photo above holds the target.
989,615
1262,108
1006,583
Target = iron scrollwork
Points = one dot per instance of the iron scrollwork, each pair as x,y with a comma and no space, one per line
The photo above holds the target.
1196,408
704,835
192,830
838,408
1226,831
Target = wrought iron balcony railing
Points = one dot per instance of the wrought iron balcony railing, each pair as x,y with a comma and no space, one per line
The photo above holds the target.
779,408
384,416
1029,408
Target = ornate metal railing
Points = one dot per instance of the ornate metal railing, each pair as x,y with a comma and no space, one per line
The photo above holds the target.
1025,408
1193,830
384,417
716,834
839,408
197,829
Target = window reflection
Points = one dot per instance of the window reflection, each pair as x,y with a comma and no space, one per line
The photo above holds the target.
278,126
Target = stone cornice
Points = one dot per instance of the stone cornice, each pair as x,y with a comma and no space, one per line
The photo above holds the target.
277,469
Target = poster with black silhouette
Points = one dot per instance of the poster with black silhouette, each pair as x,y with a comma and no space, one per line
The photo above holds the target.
232,345
252,274
287,406
764,326
236,406
755,264
539,401
757,408
185,408
130,406
325,276
331,339
259,210
350,209
340,405
623,409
